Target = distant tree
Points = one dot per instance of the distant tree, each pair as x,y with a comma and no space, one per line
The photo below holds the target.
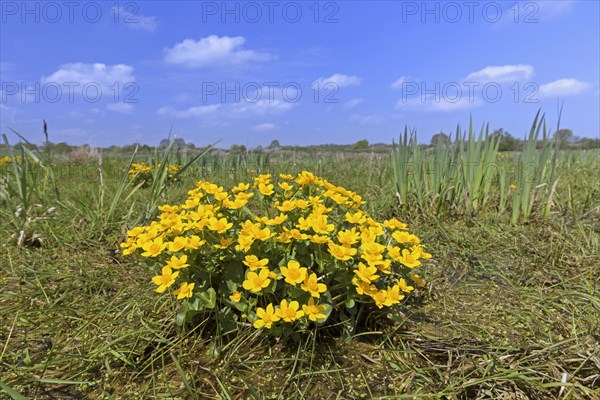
237,149
274,144
507,141
190,146
361,145
440,139
563,135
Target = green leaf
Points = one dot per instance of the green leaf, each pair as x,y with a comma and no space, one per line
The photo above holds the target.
208,298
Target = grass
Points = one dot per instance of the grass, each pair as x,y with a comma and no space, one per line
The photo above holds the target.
510,311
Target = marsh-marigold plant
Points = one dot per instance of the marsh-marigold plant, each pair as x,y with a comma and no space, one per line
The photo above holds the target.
278,252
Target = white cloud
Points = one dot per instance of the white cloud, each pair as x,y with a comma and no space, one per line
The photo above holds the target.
122,108
397,84
563,87
229,110
551,9
106,76
429,104
353,103
367,119
339,80
7,114
213,50
502,73
134,20
265,126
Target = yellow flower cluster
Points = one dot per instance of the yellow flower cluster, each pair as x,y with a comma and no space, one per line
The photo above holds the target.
302,247
4,160
144,171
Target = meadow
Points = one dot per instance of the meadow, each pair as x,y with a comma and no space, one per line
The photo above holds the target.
510,308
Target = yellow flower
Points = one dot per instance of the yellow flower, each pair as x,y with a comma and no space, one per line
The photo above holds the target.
236,296
312,311
287,206
311,286
177,244
178,262
320,239
409,259
286,177
165,280
404,287
394,224
223,243
242,187
219,225
393,296
289,312
256,282
379,298
348,237
356,218
185,290
254,263
266,317
305,178
366,274
340,252
363,287
417,279
293,273
266,189
285,186
152,248
194,242
513,186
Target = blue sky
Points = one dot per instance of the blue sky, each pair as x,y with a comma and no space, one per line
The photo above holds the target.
300,72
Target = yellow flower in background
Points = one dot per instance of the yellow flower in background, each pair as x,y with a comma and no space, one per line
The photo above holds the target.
417,279
394,224
293,273
312,311
184,291
178,262
254,263
266,189
165,280
285,186
289,311
242,187
286,206
266,317
236,296
256,282
312,286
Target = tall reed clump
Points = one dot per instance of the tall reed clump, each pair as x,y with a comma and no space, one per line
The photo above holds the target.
468,175
27,190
